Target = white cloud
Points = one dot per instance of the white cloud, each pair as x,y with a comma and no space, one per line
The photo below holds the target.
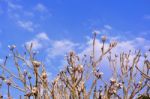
42,36
14,10
56,49
27,25
25,17
18,14
53,48
87,50
41,8
42,11
56,53
60,48
122,46
108,27
29,14
36,44
14,6
39,41
105,30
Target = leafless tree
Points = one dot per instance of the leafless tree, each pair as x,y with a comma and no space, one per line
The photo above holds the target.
81,78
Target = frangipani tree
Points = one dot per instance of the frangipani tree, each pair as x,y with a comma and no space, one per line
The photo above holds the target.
82,77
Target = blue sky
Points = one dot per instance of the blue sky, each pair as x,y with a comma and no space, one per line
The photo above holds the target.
69,23
57,26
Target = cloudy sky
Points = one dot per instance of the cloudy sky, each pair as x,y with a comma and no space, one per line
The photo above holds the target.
58,26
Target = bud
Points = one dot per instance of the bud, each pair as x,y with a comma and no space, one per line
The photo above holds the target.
11,47
1,97
140,83
113,44
29,76
119,85
35,52
112,80
36,64
34,90
25,72
98,74
82,85
80,68
114,91
145,55
96,32
44,75
56,80
103,38
8,82
71,53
